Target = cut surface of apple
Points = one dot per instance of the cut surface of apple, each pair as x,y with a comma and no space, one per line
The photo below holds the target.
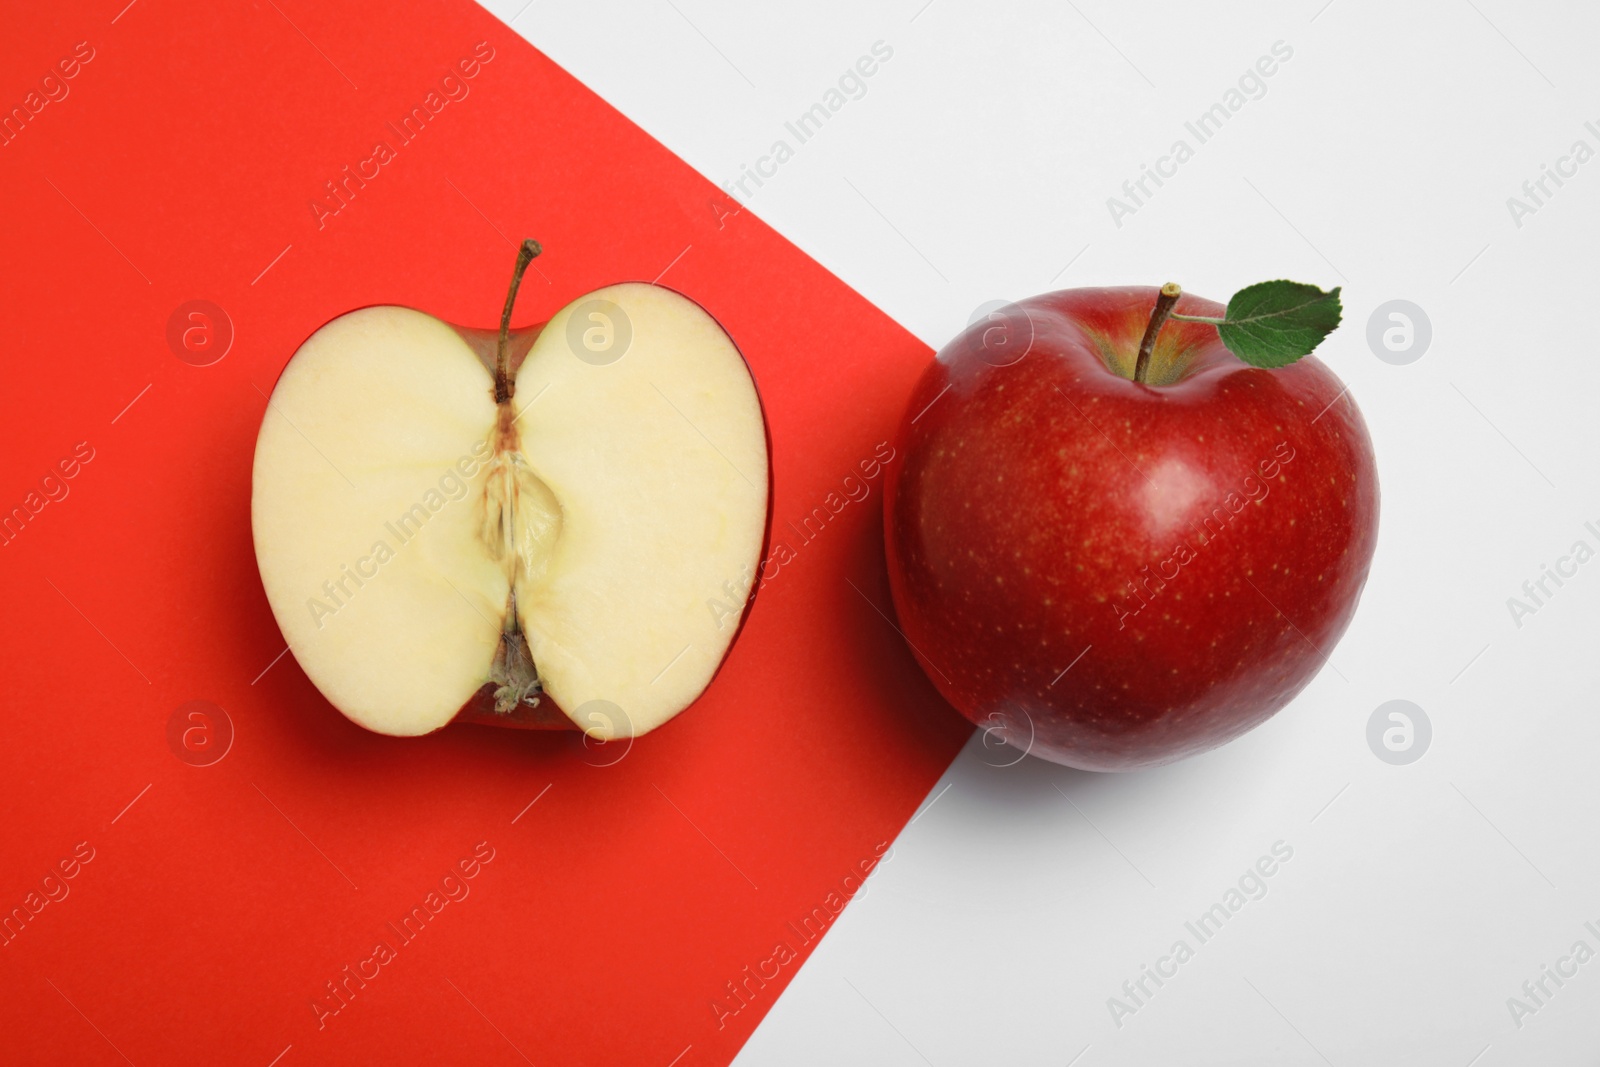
423,545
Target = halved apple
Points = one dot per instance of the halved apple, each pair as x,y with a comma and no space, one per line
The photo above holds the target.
536,529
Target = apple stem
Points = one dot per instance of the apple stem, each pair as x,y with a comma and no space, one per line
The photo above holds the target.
502,379
1158,318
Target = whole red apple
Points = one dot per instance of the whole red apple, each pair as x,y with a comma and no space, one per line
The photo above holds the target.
1116,574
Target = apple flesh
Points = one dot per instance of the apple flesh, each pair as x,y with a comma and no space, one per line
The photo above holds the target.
434,554
1114,574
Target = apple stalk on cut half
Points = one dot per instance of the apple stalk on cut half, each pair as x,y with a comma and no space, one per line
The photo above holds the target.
512,527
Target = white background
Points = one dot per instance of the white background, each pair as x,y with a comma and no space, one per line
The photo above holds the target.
977,166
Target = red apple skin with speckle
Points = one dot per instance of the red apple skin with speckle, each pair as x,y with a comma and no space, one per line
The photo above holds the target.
1115,575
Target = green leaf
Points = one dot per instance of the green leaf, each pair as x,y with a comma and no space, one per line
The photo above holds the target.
1272,324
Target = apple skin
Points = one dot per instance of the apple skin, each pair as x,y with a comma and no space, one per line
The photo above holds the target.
1046,503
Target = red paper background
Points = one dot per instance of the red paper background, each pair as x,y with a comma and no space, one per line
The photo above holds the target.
219,903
